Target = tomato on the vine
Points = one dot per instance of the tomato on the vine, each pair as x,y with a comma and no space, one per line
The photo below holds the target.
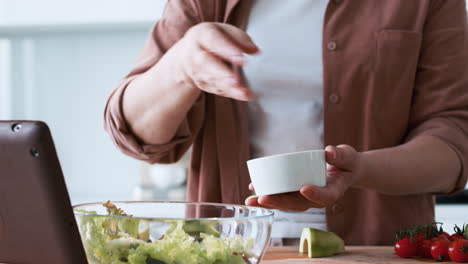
424,247
418,237
458,251
439,249
457,237
459,233
405,248
445,235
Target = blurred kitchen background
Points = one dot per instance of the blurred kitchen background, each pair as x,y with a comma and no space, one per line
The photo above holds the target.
58,61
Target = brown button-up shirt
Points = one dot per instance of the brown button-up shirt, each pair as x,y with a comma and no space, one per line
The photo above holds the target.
393,70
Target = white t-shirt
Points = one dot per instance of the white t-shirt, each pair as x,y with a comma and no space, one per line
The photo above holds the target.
287,80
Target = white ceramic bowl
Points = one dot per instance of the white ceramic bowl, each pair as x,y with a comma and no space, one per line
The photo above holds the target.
287,172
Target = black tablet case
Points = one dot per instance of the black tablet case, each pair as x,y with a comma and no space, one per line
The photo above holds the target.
37,224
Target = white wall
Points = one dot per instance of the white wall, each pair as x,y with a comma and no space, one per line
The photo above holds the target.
63,74
82,11
5,103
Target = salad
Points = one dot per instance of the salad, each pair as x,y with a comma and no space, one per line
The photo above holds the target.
127,240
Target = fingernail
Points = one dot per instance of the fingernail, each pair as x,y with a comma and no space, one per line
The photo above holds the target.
252,197
329,149
252,44
307,188
248,94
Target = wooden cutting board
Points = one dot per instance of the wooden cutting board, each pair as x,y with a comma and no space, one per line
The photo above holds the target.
361,255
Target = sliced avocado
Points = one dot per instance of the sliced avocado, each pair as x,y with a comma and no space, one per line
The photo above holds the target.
319,243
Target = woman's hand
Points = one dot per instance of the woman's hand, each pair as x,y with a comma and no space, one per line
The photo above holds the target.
202,55
344,168
157,101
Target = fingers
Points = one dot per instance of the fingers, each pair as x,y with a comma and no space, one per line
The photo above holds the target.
224,41
343,160
216,43
342,169
293,201
310,196
342,156
216,77
324,198
337,184
253,201
284,201
239,37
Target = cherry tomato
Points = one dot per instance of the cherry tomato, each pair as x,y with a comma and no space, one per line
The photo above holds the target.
445,235
418,237
405,248
424,248
458,251
459,233
457,237
439,249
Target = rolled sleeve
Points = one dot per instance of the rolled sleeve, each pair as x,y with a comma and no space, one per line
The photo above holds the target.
440,99
454,137
122,136
177,18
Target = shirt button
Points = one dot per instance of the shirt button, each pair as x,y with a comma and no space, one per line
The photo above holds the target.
334,98
331,45
337,209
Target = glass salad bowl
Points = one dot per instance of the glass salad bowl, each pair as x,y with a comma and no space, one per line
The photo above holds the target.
173,232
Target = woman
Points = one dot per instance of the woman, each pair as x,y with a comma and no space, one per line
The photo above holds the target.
392,107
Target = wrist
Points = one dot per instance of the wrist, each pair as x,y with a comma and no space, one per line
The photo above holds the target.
362,169
172,66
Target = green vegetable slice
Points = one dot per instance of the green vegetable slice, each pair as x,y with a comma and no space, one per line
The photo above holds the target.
318,243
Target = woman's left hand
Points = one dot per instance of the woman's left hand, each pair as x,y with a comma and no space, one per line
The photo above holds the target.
344,168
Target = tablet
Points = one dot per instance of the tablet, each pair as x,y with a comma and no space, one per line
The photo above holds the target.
37,224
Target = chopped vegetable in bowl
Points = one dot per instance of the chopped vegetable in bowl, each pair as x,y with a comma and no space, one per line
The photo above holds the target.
124,240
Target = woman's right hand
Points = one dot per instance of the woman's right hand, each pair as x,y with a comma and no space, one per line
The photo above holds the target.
203,53
198,61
